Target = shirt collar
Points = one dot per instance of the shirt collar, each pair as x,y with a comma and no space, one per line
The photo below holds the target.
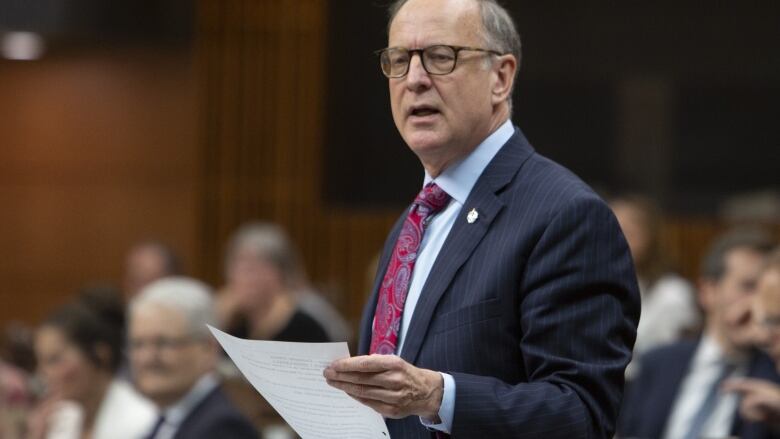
710,353
175,414
458,179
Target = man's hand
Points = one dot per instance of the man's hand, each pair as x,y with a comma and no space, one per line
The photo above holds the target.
389,385
760,399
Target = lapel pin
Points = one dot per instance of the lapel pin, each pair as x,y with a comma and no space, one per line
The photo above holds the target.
472,216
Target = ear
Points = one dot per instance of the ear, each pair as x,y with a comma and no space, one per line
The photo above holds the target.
504,70
706,294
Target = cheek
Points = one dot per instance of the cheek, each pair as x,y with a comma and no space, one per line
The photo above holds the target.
395,104
70,377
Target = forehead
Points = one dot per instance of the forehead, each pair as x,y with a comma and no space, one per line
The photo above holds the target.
49,337
154,319
743,262
769,291
421,23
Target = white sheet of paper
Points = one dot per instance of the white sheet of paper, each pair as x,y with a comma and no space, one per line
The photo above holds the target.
289,376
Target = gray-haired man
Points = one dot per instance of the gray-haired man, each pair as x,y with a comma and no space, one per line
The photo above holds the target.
173,358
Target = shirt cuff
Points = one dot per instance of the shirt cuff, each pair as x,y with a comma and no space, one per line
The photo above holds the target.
447,409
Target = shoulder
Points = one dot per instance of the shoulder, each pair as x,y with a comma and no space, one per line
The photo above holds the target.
672,283
672,352
122,394
762,366
216,416
302,328
543,184
125,410
672,291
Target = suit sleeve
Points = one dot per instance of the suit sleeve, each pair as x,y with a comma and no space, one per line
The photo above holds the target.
578,310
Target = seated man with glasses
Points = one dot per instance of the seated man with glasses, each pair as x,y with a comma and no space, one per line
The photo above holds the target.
505,303
760,399
173,357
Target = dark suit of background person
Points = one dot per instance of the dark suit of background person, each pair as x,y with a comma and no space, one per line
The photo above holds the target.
215,417
649,401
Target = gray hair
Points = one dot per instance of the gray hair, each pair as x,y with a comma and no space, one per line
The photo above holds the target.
498,29
188,296
269,242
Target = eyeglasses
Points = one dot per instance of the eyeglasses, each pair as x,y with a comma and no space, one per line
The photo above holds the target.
436,60
161,343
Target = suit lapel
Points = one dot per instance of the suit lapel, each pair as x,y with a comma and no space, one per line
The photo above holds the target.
669,386
464,237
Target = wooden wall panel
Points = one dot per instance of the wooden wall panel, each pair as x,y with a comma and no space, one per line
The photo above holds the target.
98,149
262,83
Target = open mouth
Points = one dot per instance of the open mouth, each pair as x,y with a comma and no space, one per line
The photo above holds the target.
424,111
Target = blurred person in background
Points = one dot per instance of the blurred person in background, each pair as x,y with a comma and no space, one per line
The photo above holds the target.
146,262
677,393
15,401
760,399
668,304
173,357
17,346
265,282
17,360
78,350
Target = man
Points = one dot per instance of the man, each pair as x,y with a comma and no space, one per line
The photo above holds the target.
147,262
678,393
760,399
173,358
506,290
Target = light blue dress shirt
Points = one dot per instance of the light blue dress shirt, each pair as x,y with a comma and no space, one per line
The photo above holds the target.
457,180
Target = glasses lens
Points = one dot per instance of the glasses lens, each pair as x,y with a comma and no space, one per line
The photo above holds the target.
394,62
439,59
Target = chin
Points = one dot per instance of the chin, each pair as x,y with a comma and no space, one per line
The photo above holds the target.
426,142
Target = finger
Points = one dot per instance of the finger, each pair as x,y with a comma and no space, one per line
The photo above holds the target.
392,397
387,379
745,385
367,363
384,409
754,410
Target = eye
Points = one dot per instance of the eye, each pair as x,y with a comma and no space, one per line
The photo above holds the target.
399,59
440,57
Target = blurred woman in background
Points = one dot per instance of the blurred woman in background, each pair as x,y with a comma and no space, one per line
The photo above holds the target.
78,349
264,282
669,308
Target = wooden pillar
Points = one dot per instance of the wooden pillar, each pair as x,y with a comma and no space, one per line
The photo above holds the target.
261,67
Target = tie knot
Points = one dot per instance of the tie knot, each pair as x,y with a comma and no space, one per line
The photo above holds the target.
431,199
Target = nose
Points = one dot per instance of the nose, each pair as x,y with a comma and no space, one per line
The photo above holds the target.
417,79
145,354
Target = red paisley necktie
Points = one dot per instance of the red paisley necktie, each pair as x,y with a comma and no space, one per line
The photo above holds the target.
395,284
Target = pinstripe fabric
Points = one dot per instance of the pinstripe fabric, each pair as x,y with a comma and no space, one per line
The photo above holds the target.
533,308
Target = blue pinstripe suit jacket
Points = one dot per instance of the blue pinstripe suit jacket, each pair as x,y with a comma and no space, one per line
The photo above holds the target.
533,308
